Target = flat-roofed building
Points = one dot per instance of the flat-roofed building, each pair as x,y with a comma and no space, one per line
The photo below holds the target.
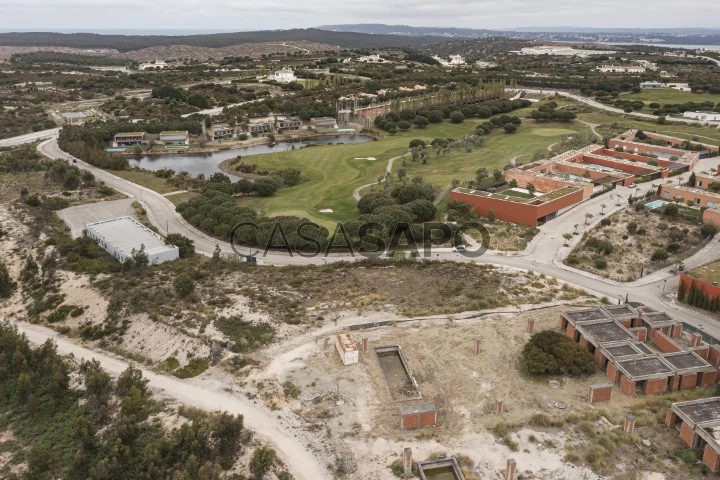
220,132
124,235
289,124
128,139
698,422
260,127
323,123
175,138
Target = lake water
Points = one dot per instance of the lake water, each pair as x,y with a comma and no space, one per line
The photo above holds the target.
208,163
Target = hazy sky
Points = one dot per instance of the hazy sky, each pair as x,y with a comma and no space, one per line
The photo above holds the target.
240,15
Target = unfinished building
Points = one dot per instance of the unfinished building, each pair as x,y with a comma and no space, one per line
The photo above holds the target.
698,422
640,350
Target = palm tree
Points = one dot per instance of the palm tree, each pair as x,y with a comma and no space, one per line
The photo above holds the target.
575,226
602,208
588,216
567,237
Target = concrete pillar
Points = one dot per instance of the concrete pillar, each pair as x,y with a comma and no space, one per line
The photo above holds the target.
530,325
477,346
510,471
629,423
364,344
407,461
499,406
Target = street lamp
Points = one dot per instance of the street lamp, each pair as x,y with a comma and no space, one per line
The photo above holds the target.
664,282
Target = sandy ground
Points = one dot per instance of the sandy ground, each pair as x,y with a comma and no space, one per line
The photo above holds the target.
366,423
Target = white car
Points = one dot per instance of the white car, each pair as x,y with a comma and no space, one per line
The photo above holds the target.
459,248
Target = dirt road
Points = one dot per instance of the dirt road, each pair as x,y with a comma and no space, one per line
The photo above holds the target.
301,462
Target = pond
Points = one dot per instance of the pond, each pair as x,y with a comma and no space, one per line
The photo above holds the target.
208,163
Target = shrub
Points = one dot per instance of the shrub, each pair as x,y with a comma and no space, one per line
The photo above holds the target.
708,230
671,210
184,286
600,263
659,255
510,128
605,222
550,352
457,117
184,244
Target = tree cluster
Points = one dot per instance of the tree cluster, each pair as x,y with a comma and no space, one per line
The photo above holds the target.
552,353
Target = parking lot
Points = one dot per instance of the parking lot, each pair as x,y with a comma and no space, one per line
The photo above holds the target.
77,217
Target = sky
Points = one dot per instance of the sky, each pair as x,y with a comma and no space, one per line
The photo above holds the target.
244,15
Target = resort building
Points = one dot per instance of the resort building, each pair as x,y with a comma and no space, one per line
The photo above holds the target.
128,139
260,127
641,350
220,132
704,116
698,422
175,138
323,123
289,124
123,236
286,75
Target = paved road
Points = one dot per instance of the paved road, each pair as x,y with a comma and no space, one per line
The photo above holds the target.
201,394
608,108
30,137
388,169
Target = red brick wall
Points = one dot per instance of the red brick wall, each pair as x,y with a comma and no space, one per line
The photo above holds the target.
709,289
570,331
708,378
702,351
409,422
657,385
688,381
714,356
687,435
428,418
640,333
644,148
599,358
520,213
583,341
627,387
670,417
665,343
612,373
603,394
677,330
675,383
711,458
418,420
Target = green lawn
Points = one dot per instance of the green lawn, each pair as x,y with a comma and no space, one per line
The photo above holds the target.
613,124
670,95
333,173
146,179
709,273
179,198
497,151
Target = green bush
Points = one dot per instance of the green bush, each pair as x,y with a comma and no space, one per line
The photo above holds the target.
659,255
600,263
184,286
708,230
550,352
247,336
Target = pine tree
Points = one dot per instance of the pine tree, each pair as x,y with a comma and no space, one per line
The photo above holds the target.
681,291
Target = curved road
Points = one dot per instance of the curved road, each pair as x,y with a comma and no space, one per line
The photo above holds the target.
608,108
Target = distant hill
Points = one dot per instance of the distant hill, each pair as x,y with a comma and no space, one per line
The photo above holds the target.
126,43
671,36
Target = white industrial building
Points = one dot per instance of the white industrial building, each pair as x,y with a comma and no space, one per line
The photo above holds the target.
119,237
347,349
704,116
285,75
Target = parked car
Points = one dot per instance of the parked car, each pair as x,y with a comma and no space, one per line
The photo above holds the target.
459,248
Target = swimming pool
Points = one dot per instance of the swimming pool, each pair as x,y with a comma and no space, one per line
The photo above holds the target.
656,204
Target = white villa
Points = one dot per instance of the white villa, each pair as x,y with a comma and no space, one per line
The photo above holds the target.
286,75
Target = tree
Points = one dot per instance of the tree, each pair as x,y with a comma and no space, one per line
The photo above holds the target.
184,244
457,117
567,237
421,122
497,175
262,460
138,262
602,208
588,216
265,187
510,128
481,174
7,285
404,125
216,256
550,352
671,210
184,286
491,216
691,180
530,188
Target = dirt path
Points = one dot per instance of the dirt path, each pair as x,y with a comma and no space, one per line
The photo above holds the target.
441,194
388,169
593,126
205,394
